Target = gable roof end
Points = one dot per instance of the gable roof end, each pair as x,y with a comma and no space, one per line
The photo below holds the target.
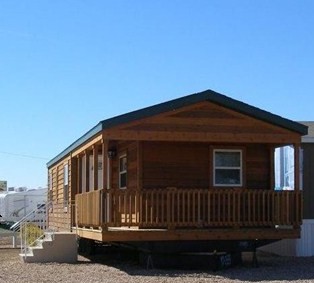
172,105
210,96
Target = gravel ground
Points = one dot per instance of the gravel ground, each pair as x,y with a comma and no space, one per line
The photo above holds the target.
103,268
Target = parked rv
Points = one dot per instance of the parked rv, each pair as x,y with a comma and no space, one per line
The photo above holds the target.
15,205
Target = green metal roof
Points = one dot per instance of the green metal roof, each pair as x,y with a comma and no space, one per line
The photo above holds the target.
172,105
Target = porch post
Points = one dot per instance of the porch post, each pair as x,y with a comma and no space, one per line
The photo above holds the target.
272,168
110,209
95,166
139,166
104,164
86,170
139,188
74,189
79,174
109,171
296,166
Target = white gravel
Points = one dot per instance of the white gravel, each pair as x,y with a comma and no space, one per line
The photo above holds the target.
104,268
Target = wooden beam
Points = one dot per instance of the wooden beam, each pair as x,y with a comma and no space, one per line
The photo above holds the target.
201,121
87,145
110,144
127,235
199,136
87,170
272,167
89,233
79,174
109,172
73,184
241,121
104,147
139,166
95,167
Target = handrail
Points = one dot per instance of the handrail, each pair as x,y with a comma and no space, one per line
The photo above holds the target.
198,208
16,225
32,227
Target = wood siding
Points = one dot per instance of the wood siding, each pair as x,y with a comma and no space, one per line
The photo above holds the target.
189,165
203,121
172,153
183,165
59,213
258,166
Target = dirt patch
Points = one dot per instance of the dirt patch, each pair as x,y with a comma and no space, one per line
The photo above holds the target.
8,255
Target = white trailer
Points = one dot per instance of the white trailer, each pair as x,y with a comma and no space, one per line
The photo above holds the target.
15,205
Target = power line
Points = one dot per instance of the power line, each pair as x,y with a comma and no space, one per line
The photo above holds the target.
24,155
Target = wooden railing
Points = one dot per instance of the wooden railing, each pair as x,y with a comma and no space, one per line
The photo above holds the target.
190,208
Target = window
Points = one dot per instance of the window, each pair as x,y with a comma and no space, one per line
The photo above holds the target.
66,174
65,185
123,172
227,167
285,168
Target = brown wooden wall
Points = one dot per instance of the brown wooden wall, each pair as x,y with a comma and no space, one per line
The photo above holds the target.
182,165
258,166
189,165
174,149
59,217
202,122
308,180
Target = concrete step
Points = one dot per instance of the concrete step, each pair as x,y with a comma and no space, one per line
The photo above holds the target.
58,247
27,254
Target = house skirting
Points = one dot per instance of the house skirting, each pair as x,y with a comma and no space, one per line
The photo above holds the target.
295,247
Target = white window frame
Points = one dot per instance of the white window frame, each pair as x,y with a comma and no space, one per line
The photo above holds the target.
123,171
66,174
65,186
240,168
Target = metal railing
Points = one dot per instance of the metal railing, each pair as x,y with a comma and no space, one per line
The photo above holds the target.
31,227
191,208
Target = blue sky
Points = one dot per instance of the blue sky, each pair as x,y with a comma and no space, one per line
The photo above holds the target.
67,64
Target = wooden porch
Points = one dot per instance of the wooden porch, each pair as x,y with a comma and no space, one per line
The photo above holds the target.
187,214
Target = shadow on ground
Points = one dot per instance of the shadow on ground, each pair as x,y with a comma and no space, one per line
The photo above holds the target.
271,268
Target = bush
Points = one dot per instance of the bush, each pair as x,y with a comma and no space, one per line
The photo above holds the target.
33,232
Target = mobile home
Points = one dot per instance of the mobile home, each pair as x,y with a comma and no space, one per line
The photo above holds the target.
195,170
